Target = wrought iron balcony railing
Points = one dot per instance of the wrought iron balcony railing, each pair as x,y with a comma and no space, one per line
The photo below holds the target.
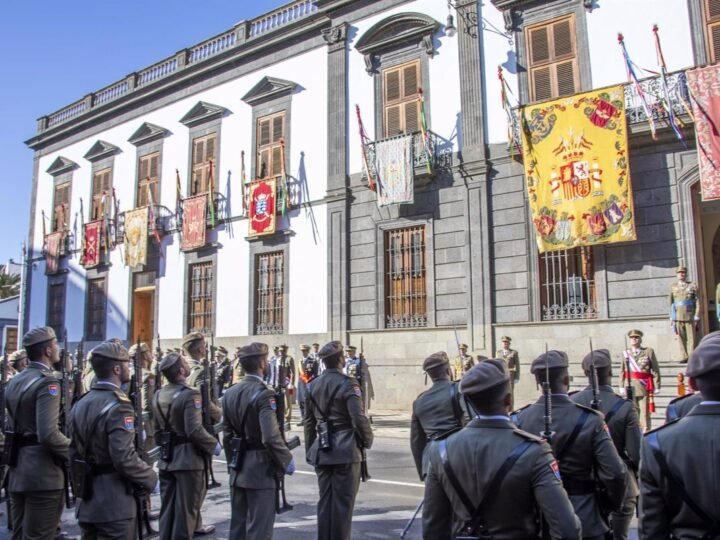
426,159
164,223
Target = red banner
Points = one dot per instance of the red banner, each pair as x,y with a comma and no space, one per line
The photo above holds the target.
91,250
193,233
53,241
261,215
704,84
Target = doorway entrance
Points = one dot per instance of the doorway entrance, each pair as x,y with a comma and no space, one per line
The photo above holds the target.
143,308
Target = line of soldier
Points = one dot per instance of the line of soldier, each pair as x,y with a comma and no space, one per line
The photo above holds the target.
106,446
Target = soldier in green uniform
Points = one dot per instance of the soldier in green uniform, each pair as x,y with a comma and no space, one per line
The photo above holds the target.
492,474
678,476
255,450
335,430
644,372
195,347
463,362
186,447
237,370
147,389
684,313
284,359
223,371
436,413
36,478
103,449
512,363
586,458
622,420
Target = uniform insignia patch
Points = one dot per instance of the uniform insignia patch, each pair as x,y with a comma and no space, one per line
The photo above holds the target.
273,404
198,404
53,389
607,429
555,468
129,422
357,391
151,382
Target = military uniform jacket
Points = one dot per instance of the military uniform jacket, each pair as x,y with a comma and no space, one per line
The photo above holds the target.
681,406
237,372
36,414
684,305
185,419
351,426
195,379
512,362
435,412
592,446
111,442
260,466
475,454
690,447
148,393
644,361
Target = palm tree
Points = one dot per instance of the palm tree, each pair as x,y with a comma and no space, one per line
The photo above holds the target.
9,285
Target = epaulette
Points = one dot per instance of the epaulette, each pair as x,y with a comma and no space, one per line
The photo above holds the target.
122,398
599,413
666,424
528,436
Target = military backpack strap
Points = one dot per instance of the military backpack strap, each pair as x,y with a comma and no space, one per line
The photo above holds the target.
612,412
575,432
24,391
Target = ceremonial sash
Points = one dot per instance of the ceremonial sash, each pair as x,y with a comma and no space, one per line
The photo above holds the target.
646,379
680,303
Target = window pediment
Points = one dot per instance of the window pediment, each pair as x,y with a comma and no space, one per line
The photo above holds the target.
397,30
202,112
61,165
101,149
146,133
269,88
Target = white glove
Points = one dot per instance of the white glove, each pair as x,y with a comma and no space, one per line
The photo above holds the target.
621,390
218,450
290,468
156,489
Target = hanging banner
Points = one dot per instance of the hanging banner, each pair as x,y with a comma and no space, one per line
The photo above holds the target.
136,236
92,232
576,166
53,241
193,229
704,84
261,215
394,167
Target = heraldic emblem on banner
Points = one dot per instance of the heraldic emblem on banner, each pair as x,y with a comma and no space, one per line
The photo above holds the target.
91,245
136,236
577,171
261,214
194,211
704,84
53,242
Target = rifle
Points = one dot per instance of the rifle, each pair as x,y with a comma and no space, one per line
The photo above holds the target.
595,403
281,504
547,433
207,419
79,390
64,417
628,385
158,359
412,519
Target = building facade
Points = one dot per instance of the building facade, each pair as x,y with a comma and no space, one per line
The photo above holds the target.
279,97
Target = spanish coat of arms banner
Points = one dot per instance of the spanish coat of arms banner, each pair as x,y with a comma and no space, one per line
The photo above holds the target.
91,243
136,236
577,170
261,213
704,84
193,227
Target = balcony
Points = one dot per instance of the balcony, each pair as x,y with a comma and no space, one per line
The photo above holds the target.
164,223
220,213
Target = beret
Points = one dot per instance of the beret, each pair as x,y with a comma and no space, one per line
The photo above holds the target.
169,360
704,359
635,333
133,350
483,376
437,359
350,348
221,350
315,344
304,347
710,336
252,349
553,359
463,346
600,357
506,338
191,337
111,350
681,269
116,340
17,356
38,335
330,349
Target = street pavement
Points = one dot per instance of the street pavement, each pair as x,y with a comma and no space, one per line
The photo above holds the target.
383,507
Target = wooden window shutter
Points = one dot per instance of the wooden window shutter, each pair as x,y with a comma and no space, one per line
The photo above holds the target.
552,59
153,167
412,116
393,124
392,85
198,152
712,9
264,164
209,149
144,171
264,138
565,76
714,35
539,45
276,168
410,80
401,108
541,84
278,128
562,39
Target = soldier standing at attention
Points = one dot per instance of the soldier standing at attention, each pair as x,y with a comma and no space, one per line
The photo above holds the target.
581,444
186,446
678,477
195,346
436,413
644,375
237,370
622,420
314,354
357,367
335,431
684,313
463,362
36,478
223,371
492,477
147,391
255,450
103,449
309,369
18,362
286,364
512,363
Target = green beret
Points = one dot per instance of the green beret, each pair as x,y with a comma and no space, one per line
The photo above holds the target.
252,349
437,359
635,333
330,349
551,359
192,337
169,360
705,359
112,351
600,357
38,335
484,376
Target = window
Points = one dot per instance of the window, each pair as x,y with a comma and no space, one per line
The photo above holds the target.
61,207
96,309
101,187
711,13
270,137
269,293
567,284
203,162
405,278
148,177
11,339
56,307
552,59
200,300
401,99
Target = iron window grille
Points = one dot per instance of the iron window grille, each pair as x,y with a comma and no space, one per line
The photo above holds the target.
567,285
405,278
269,293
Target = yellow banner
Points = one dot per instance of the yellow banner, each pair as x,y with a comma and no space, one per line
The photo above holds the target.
136,236
577,170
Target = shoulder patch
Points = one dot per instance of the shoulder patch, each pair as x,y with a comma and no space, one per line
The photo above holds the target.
198,403
273,403
356,390
53,389
555,468
129,423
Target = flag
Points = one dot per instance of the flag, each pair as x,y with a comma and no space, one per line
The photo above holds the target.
92,233
52,252
424,132
364,142
82,229
285,200
261,214
178,198
211,195
193,227
704,85
136,234
666,102
151,214
396,174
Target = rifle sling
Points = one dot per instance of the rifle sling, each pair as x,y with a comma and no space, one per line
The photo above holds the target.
332,396
27,387
574,435
241,431
103,412
165,417
618,405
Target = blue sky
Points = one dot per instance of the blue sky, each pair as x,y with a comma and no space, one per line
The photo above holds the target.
55,52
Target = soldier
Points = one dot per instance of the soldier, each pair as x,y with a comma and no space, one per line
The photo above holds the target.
581,444
287,364
512,363
679,488
357,367
186,447
103,451
645,376
463,362
195,345
18,362
681,406
622,420
147,389
314,354
336,432
309,369
254,448
438,412
37,477
684,313
88,375
223,371
237,372
492,477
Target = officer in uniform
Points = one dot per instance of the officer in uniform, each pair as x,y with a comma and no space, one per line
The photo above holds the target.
36,478
463,362
255,450
645,376
287,363
237,372
356,366
681,406
684,313
223,371
103,450
186,446
581,443
512,362
679,486
493,474
309,369
622,420
336,429
436,413
314,353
